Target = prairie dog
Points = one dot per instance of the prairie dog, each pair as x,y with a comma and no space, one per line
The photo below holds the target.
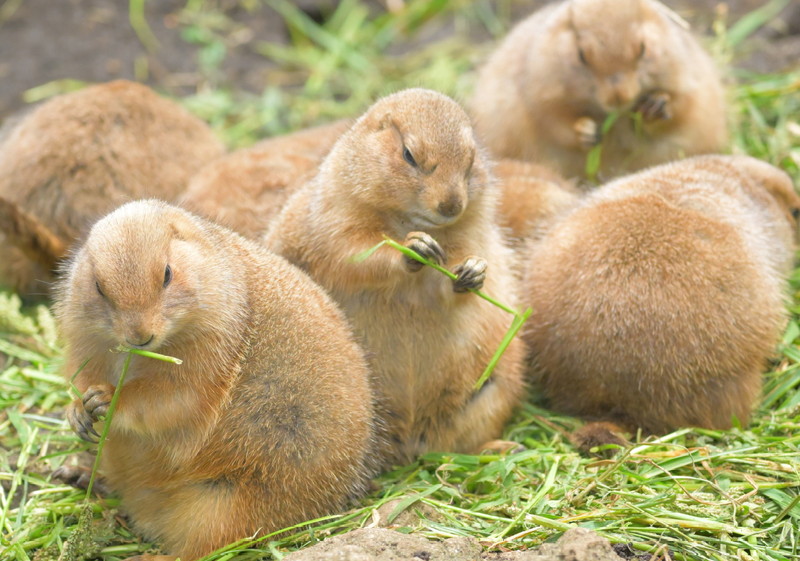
659,299
411,169
78,156
245,189
268,421
545,92
531,197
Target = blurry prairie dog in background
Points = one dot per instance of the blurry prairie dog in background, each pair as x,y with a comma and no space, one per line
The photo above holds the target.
245,189
545,92
532,197
410,168
659,299
268,421
80,155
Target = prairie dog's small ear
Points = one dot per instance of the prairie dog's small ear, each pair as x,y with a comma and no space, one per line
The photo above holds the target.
385,121
182,229
176,231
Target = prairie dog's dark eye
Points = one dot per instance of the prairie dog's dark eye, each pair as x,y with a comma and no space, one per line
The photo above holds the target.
408,157
167,276
97,286
641,50
796,213
582,57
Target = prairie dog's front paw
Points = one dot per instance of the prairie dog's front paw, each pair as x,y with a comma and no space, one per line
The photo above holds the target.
83,413
426,247
471,274
655,106
587,131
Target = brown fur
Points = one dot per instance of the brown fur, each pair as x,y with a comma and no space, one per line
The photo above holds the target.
268,420
658,301
247,188
531,197
536,99
80,155
427,344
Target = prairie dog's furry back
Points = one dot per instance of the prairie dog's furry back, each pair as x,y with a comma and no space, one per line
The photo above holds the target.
269,420
245,189
532,197
79,155
659,298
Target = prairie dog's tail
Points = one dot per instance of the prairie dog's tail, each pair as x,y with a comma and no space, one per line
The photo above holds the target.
30,235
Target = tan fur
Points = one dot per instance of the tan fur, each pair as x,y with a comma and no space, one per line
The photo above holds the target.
537,100
268,420
80,155
427,344
659,299
531,197
247,188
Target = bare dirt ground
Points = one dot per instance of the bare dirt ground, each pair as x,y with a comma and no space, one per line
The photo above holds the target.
92,40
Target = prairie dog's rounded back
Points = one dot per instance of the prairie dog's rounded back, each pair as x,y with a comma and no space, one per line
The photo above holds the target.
245,189
659,298
269,419
531,198
79,155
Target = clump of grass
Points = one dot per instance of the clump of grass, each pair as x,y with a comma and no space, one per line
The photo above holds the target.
336,68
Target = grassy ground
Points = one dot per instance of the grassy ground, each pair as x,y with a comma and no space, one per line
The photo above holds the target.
703,494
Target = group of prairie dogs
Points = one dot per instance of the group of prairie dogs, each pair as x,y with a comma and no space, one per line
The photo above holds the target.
657,297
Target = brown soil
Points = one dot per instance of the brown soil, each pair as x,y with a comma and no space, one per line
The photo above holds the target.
378,544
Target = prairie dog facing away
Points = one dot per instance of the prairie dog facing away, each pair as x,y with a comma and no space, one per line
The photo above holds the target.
268,421
659,299
411,169
78,156
532,196
545,92
245,189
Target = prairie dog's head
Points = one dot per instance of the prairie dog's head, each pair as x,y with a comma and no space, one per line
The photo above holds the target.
412,155
142,277
774,181
611,43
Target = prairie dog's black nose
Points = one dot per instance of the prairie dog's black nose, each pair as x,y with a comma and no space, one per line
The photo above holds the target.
451,207
139,340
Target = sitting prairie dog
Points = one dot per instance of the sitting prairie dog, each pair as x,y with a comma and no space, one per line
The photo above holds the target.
545,92
532,196
78,156
245,189
659,299
410,168
268,421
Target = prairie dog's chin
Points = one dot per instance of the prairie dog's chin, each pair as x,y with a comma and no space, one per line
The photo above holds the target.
425,221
